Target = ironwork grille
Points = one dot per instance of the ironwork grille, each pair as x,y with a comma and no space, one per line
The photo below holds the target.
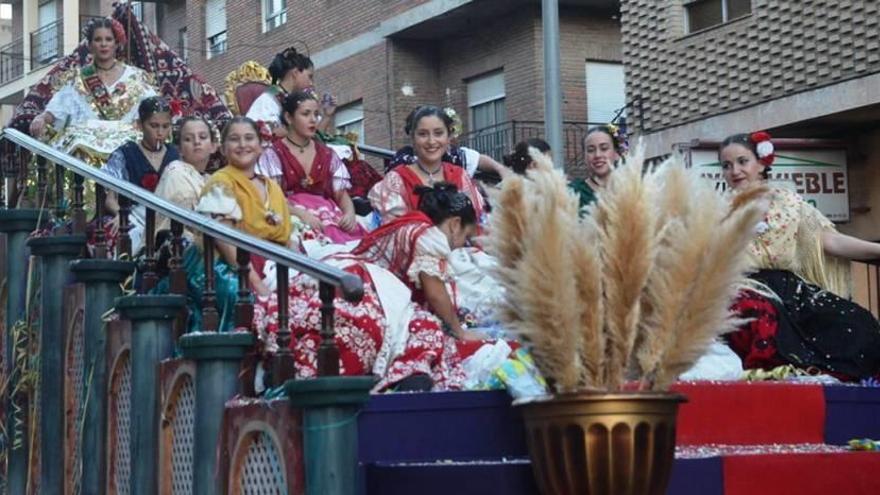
122,454
263,471
77,374
182,438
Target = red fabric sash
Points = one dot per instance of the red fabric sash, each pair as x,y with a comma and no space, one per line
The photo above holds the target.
399,256
451,174
97,91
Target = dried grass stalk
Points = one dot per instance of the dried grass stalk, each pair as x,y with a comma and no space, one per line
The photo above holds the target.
587,267
627,223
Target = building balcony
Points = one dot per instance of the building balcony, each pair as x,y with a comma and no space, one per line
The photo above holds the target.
11,61
47,44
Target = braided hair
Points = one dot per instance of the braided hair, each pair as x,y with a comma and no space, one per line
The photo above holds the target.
286,61
444,201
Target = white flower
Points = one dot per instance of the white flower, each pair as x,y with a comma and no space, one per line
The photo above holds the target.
761,227
764,148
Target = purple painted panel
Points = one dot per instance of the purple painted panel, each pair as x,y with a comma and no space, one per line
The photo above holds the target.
851,412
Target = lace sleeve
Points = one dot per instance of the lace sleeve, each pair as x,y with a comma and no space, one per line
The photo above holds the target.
471,160
115,165
269,165
62,106
387,199
430,258
265,109
219,202
341,177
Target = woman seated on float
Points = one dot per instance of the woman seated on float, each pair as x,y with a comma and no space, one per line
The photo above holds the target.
95,109
239,197
142,163
430,129
798,312
467,158
311,175
405,328
291,72
604,146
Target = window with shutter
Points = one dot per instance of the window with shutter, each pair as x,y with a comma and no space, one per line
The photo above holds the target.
606,92
350,118
274,14
215,27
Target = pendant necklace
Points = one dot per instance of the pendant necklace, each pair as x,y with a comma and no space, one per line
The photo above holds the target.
301,147
429,173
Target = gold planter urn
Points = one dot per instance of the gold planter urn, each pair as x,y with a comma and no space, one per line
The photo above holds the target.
589,443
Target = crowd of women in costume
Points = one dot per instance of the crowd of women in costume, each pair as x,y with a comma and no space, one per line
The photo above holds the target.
283,180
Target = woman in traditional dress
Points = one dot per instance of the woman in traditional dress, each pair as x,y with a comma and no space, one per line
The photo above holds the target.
520,161
291,71
142,163
798,312
95,110
311,175
405,327
237,196
604,145
430,128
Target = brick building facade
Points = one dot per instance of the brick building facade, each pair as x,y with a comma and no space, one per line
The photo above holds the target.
705,69
385,57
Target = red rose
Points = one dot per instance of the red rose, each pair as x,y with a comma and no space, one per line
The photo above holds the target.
759,136
150,181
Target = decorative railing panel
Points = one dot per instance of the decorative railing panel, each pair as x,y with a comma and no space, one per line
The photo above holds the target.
178,426
119,407
75,384
47,44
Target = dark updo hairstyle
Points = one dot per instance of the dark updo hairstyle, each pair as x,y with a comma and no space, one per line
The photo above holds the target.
609,131
443,201
744,140
520,159
423,111
241,119
194,118
151,106
292,101
98,23
286,61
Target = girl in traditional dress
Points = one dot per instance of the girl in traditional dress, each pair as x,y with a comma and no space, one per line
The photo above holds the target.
291,71
520,161
798,314
405,327
182,184
142,163
95,110
430,128
312,176
603,147
237,196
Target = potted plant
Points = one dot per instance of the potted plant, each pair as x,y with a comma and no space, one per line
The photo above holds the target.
614,305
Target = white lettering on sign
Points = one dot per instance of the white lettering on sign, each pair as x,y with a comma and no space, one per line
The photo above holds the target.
817,175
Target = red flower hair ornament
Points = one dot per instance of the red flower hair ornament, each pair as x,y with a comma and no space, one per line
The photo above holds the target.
763,147
118,32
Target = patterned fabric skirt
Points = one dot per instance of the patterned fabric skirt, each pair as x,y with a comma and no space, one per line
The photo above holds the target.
360,328
225,288
807,327
329,214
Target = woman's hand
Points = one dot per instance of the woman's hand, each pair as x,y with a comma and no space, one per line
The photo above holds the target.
260,288
39,123
348,222
311,220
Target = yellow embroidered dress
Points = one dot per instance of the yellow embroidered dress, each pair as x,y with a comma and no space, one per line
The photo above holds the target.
93,119
800,315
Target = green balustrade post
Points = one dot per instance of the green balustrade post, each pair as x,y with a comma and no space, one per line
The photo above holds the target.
330,437
16,224
55,254
218,362
102,279
151,342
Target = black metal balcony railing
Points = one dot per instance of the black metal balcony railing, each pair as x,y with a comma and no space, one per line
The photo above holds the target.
499,140
11,61
47,44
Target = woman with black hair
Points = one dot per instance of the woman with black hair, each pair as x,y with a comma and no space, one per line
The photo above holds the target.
430,129
404,329
520,161
798,310
312,176
291,71
604,146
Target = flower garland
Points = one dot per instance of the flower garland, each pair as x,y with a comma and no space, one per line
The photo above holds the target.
455,129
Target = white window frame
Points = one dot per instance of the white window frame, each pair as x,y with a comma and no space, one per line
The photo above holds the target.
725,16
46,51
485,89
183,43
216,41
273,19
606,70
350,118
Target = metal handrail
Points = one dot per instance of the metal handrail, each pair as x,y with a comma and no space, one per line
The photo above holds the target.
351,285
376,151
